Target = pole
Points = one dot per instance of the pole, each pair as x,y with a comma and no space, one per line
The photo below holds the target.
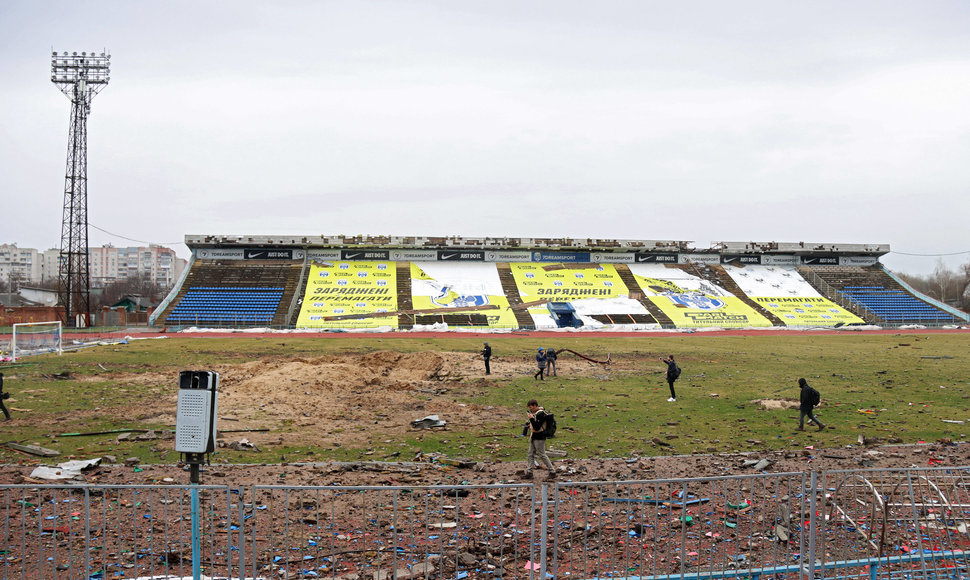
194,493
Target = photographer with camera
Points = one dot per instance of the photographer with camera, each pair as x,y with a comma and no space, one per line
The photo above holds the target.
537,440
6,413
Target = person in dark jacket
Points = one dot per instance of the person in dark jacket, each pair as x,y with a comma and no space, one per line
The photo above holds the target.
807,402
673,372
487,355
6,413
537,441
541,363
551,355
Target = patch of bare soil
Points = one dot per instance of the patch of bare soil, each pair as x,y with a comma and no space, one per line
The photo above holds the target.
338,399
775,404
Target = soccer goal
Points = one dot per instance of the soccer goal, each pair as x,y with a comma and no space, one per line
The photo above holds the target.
31,338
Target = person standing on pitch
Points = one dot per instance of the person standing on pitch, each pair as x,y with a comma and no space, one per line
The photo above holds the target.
6,413
537,441
673,373
541,363
551,355
807,401
487,355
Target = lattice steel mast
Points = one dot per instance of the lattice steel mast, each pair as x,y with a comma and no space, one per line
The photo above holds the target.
79,77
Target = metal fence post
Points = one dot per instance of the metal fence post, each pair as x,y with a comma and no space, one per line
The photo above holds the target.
242,533
543,533
812,525
87,531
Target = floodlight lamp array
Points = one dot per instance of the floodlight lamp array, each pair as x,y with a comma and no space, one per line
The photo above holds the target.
91,68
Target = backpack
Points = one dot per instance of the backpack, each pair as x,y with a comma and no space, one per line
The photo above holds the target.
814,396
676,372
550,425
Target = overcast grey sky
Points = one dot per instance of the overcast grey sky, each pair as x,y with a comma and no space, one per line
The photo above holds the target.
821,121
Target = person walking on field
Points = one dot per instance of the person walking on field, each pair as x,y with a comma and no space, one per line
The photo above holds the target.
487,354
672,373
551,355
807,401
541,363
537,441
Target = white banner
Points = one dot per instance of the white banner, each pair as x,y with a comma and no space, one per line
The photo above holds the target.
323,254
699,259
220,254
498,256
773,260
414,255
858,260
611,258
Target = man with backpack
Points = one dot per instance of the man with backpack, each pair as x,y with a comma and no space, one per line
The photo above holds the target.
807,401
541,363
540,424
673,373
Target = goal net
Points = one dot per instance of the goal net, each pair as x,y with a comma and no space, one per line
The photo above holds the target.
30,338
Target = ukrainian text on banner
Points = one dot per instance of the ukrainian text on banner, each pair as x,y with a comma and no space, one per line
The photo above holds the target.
567,282
807,311
690,302
355,291
464,287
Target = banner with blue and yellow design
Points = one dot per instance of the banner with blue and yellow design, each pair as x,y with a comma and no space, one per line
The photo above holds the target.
807,311
566,282
348,289
463,287
693,302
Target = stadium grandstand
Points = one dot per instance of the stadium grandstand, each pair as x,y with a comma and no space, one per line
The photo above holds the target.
342,283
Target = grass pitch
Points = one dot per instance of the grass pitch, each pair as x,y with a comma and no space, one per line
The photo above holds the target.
891,387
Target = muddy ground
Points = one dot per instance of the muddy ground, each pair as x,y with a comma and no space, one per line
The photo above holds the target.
431,473
329,398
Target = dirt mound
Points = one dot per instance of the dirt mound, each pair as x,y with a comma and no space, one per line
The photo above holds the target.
774,404
343,398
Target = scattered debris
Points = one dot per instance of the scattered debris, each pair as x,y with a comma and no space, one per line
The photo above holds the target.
429,422
66,470
112,432
242,445
34,450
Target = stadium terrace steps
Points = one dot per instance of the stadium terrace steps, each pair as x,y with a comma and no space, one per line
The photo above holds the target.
522,316
874,289
810,275
230,293
404,302
717,275
247,293
291,286
623,271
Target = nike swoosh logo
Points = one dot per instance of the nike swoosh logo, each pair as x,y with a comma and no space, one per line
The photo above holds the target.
448,256
642,258
256,254
351,256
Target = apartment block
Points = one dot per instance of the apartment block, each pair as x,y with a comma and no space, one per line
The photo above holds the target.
106,264
159,264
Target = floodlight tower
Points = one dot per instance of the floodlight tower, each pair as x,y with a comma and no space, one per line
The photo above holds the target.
80,77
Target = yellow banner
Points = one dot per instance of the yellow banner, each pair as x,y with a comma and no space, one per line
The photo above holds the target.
566,282
694,308
807,311
349,288
465,290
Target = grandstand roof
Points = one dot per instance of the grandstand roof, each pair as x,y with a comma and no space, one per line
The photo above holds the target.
456,242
